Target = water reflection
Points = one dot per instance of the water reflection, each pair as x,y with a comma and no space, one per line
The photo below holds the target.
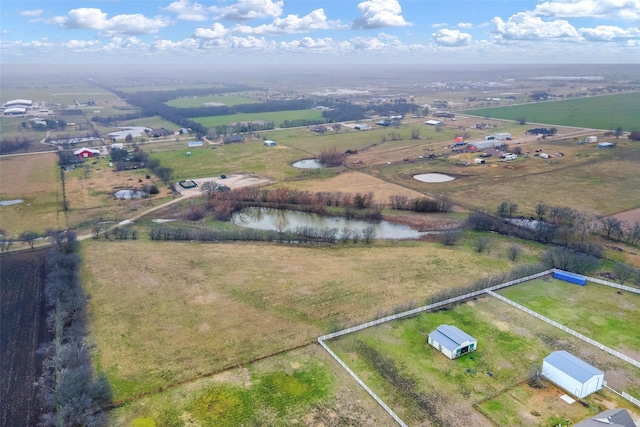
285,220
308,164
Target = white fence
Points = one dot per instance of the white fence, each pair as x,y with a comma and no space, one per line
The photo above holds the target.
488,290
567,330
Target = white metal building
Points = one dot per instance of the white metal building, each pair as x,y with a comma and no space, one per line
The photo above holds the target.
572,374
452,341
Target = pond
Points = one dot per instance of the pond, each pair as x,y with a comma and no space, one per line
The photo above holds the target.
308,164
129,194
433,177
286,220
134,131
10,202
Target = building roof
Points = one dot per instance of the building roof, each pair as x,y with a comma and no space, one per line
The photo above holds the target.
18,102
83,149
15,110
611,418
450,336
572,366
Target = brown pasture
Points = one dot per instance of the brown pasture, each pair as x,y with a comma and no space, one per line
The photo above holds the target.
163,313
36,180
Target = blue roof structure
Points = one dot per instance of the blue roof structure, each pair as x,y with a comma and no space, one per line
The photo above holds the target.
450,337
572,366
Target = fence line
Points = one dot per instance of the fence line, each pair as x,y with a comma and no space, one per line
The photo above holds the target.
363,385
432,306
607,283
624,395
567,330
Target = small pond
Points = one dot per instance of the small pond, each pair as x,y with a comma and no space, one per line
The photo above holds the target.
308,164
286,220
134,131
433,177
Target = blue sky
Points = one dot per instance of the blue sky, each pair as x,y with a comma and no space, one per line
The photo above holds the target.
308,32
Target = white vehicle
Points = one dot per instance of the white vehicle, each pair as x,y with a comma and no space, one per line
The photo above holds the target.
508,157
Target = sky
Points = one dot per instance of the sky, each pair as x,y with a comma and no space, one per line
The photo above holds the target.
320,32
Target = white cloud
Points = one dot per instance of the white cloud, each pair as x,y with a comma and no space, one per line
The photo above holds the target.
291,24
182,46
96,19
5,32
445,37
379,14
217,31
465,25
606,9
187,10
608,33
245,10
32,13
439,25
525,26
81,45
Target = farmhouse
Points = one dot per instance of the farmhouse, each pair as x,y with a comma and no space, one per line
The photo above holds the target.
86,152
572,374
452,341
611,418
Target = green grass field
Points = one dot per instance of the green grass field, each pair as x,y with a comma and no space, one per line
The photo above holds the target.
598,112
199,101
277,117
604,315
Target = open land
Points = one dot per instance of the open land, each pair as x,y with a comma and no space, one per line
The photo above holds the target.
178,325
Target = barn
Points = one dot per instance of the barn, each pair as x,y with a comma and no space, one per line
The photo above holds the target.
572,374
451,341
86,152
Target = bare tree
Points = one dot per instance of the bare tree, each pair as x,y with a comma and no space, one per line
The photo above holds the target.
395,135
541,211
482,243
368,234
29,237
415,133
623,272
513,251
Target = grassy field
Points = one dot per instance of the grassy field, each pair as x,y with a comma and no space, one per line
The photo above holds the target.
175,311
36,180
151,122
302,386
277,117
228,100
604,315
621,111
511,345
250,157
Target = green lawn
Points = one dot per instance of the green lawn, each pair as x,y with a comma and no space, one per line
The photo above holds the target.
198,101
598,112
603,315
277,117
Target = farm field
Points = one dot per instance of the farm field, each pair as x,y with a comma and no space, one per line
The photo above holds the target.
172,312
621,111
36,180
23,329
277,117
604,315
228,100
511,346
153,122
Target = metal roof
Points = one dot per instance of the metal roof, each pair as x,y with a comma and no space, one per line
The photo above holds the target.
450,337
572,366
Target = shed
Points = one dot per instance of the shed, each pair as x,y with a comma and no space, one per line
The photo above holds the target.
433,122
591,139
570,277
483,145
191,144
572,374
479,161
270,143
452,341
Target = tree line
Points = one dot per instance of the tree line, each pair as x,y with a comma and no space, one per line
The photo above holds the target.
72,394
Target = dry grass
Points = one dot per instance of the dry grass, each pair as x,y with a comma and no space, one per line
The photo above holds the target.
356,182
166,312
36,180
